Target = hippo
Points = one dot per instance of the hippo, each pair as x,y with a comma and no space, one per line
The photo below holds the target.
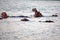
54,15
4,15
37,13
49,21
24,19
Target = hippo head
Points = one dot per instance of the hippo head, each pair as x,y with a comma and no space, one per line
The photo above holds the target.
4,15
34,10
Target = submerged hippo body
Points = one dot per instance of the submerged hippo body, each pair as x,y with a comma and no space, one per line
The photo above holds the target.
19,16
37,13
24,19
48,21
0,18
54,15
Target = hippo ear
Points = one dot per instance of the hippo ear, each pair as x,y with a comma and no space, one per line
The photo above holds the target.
34,9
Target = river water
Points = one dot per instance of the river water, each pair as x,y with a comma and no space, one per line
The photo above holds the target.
15,29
